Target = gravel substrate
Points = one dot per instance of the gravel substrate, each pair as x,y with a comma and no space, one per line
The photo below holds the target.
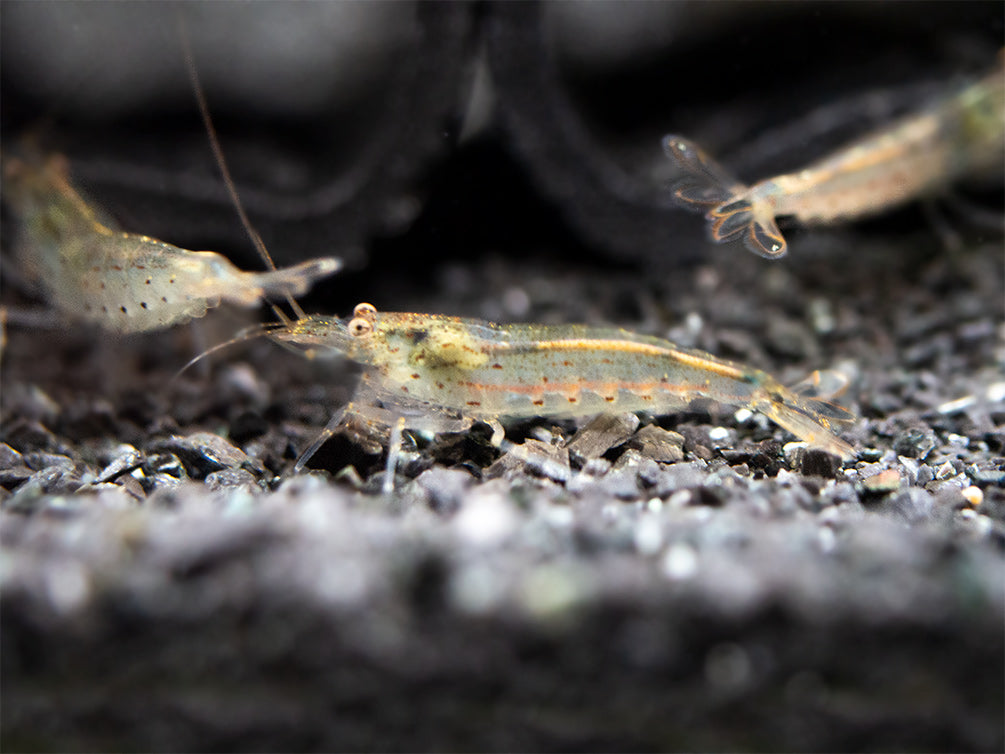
697,582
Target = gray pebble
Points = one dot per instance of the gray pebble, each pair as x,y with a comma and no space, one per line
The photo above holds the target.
543,458
915,443
9,458
602,433
203,453
232,480
816,462
127,458
658,444
39,461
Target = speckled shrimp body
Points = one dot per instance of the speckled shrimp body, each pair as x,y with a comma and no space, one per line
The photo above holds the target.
466,370
124,282
960,135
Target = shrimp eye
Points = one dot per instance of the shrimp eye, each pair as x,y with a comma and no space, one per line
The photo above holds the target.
365,311
359,327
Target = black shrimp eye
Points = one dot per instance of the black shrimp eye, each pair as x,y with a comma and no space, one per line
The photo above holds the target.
360,326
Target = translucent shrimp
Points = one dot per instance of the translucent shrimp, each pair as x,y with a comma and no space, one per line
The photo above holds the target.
960,135
121,281
442,374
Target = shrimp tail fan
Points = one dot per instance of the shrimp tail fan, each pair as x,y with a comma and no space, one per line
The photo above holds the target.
812,419
705,184
707,187
742,219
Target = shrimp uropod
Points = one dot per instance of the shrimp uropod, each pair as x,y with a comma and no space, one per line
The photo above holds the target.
959,135
443,373
124,282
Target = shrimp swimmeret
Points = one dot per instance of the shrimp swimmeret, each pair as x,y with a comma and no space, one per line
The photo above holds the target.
442,374
124,282
960,135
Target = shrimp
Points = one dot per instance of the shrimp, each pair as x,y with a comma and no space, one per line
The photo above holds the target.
442,374
960,135
121,281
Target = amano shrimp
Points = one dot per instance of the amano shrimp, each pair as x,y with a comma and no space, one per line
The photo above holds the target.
960,135
442,374
124,282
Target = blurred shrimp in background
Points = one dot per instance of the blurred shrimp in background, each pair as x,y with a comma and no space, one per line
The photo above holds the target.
329,115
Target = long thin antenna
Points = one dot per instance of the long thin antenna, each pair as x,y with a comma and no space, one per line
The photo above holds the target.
221,162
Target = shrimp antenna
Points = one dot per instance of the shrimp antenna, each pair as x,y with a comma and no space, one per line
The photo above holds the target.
248,333
221,162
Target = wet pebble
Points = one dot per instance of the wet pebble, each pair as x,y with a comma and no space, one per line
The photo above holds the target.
13,470
884,482
9,458
540,457
233,480
603,432
698,443
658,444
39,461
31,435
52,481
126,459
987,474
816,462
915,443
14,476
203,453
165,463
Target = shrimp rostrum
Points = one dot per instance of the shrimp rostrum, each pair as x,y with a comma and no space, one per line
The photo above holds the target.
124,282
442,374
960,135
